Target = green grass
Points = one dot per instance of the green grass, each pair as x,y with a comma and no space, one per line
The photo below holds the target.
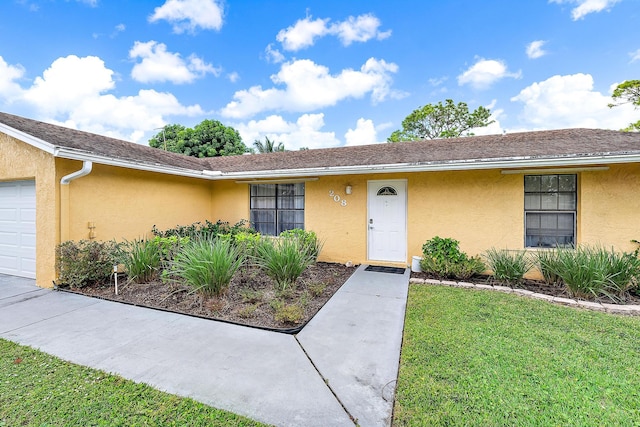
37,389
490,359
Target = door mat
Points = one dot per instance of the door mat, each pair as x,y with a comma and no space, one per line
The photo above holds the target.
381,269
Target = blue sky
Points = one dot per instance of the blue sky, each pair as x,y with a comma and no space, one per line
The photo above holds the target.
316,73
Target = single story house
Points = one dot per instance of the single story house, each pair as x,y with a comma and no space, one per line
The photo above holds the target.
370,204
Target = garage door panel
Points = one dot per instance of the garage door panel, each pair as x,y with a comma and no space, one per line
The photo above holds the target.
8,214
28,240
18,228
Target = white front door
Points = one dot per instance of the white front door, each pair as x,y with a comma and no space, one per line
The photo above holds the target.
387,220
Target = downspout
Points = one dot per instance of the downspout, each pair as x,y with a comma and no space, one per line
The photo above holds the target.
64,197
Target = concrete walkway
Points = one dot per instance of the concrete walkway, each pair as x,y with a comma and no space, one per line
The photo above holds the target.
340,368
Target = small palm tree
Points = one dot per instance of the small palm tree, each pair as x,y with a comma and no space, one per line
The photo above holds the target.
268,146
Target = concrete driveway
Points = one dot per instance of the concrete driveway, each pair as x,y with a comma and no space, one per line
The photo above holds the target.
339,370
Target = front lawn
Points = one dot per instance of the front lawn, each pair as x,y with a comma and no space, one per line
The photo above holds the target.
491,359
37,389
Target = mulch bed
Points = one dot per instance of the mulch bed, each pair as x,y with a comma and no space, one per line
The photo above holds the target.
247,300
535,286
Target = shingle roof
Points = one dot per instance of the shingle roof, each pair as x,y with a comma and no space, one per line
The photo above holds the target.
60,136
565,143
552,143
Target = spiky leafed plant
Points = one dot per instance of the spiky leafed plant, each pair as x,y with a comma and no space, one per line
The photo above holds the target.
208,264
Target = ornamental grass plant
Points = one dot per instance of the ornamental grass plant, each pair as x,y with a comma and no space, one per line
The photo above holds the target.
141,259
283,259
592,271
207,264
508,266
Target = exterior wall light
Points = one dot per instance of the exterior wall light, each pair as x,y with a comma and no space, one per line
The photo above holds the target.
347,189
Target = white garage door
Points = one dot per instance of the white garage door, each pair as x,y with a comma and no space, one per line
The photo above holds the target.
18,228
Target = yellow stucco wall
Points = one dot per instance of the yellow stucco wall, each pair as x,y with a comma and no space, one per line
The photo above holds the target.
488,203
481,209
125,204
609,207
19,161
230,202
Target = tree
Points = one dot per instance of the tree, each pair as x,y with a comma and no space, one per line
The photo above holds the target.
627,92
441,121
268,146
209,138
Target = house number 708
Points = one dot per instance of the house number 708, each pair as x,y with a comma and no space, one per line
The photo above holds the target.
337,198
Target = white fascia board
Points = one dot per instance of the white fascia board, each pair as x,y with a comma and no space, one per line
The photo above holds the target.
67,153
458,165
28,139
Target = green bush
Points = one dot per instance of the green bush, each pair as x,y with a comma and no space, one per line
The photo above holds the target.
283,260
443,258
208,264
208,229
308,241
87,262
509,267
141,260
246,241
169,246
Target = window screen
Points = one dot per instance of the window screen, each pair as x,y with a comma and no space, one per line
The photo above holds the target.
277,207
550,210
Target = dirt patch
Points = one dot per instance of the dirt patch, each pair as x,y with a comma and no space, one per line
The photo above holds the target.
536,286
250,299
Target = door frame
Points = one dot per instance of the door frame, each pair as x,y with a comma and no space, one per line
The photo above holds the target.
391,182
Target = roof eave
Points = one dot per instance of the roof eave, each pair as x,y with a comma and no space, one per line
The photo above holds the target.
26,138
72,154
456,165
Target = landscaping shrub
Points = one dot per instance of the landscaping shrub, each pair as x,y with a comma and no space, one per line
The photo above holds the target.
593,272
141,260
509,267
308,241
246,241
443,258
86,262
208,229
546,261
207,264
283,260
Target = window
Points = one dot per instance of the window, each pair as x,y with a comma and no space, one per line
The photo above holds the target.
277,207
550,210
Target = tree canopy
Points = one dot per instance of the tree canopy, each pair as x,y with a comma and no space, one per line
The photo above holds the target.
627,92
268,146
209,138
448,120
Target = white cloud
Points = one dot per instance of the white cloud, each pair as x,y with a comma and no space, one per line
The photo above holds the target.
189,15
306,31
9,89
273,55
365,133
486,72
305,132
158,65
569,101
302,34
309,86
73,92
496,115
534,49
92,3
585,7
359,29
233,76
635,56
